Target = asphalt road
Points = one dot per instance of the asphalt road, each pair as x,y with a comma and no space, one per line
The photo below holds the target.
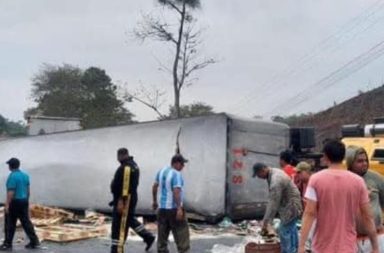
198,245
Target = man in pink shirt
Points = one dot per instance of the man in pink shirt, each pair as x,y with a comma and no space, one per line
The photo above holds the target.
334,197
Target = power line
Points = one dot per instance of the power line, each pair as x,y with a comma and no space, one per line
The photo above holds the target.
333,78
271,88
353,23
325,44
354,35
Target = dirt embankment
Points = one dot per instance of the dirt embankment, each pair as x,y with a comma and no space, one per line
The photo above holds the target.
361,109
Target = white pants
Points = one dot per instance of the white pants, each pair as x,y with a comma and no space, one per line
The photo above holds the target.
364,245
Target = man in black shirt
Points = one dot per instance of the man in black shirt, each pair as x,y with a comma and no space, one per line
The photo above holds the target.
124,190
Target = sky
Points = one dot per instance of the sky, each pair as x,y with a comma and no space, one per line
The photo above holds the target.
273,57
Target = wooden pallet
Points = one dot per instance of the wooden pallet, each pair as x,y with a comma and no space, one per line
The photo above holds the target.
38,222
49,225
93,218
39,213
41,222
43,212
71,232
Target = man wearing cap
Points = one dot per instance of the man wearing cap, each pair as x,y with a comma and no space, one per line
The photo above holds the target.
124,189
303,173
171,214
17,206
284,199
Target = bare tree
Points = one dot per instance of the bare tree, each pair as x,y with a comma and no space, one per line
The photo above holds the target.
184,39
152,98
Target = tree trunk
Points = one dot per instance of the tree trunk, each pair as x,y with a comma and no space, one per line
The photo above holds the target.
176,85
177,103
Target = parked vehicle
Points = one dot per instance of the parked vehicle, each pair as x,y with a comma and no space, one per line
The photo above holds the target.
371,138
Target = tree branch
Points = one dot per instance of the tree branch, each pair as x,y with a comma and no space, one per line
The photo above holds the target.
162,116
162,65
200,65
175,7
189,55
151,101
155,29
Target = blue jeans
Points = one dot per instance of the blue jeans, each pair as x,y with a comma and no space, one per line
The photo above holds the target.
289,237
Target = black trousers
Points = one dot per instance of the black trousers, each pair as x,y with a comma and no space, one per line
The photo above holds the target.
132,222
19,210
166,221
141,230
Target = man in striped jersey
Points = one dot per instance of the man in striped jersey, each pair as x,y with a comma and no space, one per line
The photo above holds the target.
169,202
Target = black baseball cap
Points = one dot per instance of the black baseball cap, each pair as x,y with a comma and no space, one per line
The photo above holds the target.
122,151
257,167
178,158
13,162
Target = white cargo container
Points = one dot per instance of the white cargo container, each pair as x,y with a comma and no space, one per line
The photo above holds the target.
74,169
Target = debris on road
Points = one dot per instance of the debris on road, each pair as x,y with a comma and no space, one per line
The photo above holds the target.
44,212
71,232
59,225
68,227
253,242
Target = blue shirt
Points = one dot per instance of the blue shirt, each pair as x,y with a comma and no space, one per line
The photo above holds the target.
168,179
18,182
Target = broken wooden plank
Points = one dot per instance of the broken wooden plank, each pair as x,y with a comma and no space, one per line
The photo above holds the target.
39,211
71,232
40,222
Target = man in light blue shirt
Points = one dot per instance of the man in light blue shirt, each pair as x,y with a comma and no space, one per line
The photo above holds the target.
169,184
17,206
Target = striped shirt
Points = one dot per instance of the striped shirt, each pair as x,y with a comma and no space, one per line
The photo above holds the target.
168,179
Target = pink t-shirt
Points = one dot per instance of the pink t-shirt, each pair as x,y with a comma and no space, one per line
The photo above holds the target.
339,194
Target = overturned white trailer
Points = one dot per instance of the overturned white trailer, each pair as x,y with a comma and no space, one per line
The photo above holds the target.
74,169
